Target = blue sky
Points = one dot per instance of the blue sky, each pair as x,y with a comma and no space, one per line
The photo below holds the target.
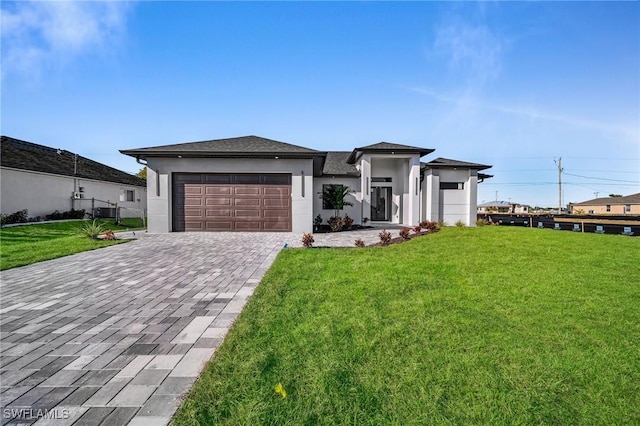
514,85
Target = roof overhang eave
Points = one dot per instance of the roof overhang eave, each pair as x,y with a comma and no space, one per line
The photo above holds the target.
357,153
145,155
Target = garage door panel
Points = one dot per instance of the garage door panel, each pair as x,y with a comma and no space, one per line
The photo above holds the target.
218,190
276,202
218,201
276,179
247,213
218,226
279,225
247,190
275,213
193,226
276,191
231,202
246,179
193,190
193,201
248,226
217,179
242,202
191,213
187,178
218,213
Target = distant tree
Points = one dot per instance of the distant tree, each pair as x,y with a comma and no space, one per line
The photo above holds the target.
142,174
614,195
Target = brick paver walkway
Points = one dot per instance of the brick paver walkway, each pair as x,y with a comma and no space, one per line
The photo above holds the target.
118,335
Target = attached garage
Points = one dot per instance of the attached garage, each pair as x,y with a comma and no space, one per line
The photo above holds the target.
231,202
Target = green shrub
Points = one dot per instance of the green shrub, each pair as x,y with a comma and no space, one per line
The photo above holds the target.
482,222
91,229
21,216
460,224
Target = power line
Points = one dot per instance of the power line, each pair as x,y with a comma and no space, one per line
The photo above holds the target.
597,178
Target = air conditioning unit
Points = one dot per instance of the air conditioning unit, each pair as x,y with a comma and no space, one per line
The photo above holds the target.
78,195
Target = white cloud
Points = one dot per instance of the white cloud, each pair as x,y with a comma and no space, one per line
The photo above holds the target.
470,49
37,35
530,113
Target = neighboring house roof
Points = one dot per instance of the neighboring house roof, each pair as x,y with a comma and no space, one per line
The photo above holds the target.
19,154
336,164
629,199
498,204
484,176
244,146
447,163
387,148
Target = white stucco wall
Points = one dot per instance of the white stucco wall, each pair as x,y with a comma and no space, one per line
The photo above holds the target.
43,193
354,211
159,170
458,204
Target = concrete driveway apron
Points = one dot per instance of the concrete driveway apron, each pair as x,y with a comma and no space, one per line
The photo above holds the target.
118,335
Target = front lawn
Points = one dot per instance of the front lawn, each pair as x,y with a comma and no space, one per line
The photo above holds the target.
493,325
23,245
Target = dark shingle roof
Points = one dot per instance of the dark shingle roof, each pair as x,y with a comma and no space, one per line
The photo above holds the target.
241,146
388,148
629,199
24,155
336,164
448,163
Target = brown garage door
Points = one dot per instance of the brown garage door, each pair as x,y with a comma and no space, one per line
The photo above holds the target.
231,202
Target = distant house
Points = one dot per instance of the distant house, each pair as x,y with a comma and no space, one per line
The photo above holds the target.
251,183
503,207
609,205
42,180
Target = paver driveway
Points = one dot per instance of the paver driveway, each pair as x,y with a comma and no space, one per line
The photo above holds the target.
117,335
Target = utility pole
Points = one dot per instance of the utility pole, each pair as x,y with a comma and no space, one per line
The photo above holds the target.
559,164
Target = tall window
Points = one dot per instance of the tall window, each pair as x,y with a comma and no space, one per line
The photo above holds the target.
129,195
608,207
627,208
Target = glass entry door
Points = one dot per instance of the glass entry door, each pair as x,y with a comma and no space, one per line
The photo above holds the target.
380,203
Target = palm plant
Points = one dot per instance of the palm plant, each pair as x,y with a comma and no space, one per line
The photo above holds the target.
334,196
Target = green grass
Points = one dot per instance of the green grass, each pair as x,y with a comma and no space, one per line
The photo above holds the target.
24,245
492,325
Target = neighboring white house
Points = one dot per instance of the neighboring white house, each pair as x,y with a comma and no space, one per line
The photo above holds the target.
42,180
255,184
503,207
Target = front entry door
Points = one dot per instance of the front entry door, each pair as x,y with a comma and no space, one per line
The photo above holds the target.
380,203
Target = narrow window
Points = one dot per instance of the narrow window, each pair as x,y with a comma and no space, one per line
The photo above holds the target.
608,207
129,195
627,208
451,185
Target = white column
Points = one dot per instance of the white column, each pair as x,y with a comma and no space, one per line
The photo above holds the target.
413,207
365,185
433,196
472,193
